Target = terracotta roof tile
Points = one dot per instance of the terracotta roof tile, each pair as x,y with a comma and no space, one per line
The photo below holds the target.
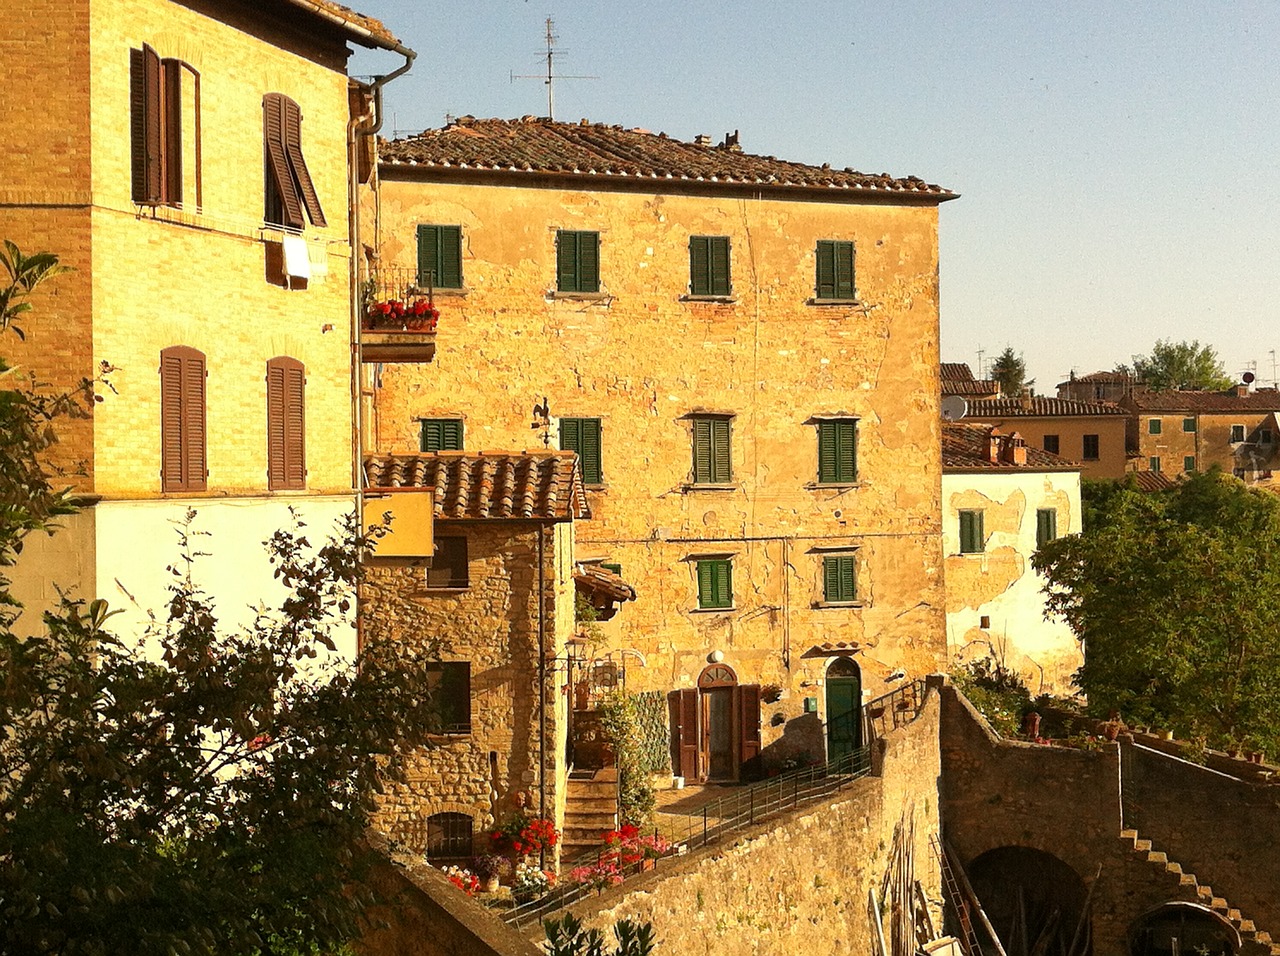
533,485
975,386
956,372
966,447
600,580
1039,406
1150,480
362,28
1100,378
1175,400
539,145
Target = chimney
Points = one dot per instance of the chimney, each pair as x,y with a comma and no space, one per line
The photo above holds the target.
1242,391
1013,450
731,142
1024,399
994,439
702,139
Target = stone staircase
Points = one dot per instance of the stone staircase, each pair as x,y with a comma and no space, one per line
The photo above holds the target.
591,810
1254,942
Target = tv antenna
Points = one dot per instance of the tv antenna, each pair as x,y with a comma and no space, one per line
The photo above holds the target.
551,75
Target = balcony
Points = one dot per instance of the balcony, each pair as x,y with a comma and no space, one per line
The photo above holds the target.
399,320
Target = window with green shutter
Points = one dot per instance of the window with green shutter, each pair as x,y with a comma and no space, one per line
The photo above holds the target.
1046,526
711,457
1153,463
834,270
715,584
577,261
1188,424
972,540
440,257
838,452
1154,426
441,434
1189,463
582,435
839,579
709,265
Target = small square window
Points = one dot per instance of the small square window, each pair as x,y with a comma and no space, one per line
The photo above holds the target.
440,434
449,684
1154,426
712,459
715,584
1051,444
440,257
709,265
449,564
834,270
1189,463
1153,463
577,261
837,452
1090,448
1046,526
1188,424
1237,433
972,539
839,579
582,435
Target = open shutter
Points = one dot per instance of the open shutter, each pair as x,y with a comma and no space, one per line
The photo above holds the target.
720,283
589,451
700,265
292,128
721,466
843,261
144,124
683,706
171,132
747,697
277,159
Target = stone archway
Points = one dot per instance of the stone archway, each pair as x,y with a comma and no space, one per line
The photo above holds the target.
1032,898
1182,928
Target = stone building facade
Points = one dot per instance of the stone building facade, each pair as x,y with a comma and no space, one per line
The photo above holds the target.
1179,431
136,154
497,606
1001,501
744,351
1092,433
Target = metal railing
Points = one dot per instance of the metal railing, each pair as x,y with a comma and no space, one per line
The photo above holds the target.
742,807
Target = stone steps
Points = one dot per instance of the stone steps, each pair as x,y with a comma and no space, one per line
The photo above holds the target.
590,811
1255,942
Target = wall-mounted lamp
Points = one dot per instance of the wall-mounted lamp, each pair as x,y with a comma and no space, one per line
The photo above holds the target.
715,657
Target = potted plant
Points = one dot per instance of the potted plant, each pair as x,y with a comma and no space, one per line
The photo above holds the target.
420,316
488,868
531,882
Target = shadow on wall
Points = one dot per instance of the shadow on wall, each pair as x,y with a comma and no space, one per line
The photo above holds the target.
800,745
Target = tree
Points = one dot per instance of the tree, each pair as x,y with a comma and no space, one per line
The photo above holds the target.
1186,365
193,790
1010,371
1172,596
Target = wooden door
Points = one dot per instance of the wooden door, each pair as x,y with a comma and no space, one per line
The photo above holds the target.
844,710
718,750
747,711
683,706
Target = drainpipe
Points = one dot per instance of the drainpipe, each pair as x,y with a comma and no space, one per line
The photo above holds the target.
542,682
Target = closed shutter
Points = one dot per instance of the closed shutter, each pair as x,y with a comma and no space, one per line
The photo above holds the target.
720,460
1046,526
441,434
834,270
844,270
182,420
700,265
683,707
567,261
720,284
286,424
837,452
972,539
702,450
440,257
715,584
748,701
588,262
279,176
144,125
292,128
428,256
712,458
839,581
582,436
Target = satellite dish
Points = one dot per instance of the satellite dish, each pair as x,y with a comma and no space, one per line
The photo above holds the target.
954,407
1247,378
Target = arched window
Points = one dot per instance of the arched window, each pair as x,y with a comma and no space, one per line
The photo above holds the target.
718,675
449,835
843,667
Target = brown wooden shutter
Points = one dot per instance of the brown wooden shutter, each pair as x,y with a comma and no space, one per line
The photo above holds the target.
683,706
292,117
171,132
277,160
286,424
144,125
748,699
182,420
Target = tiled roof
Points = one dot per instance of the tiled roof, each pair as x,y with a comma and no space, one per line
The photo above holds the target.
1175,400
975,386
602,581
1039,406
534,485
364,29
1100,378
539,145
1150,480
956,372
966,446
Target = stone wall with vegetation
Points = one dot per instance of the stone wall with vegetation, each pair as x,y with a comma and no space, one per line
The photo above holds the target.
799,883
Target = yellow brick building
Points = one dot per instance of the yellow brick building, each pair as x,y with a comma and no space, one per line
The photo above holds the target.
1179,431
695,322
218,293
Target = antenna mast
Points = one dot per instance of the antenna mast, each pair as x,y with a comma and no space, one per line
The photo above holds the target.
551,75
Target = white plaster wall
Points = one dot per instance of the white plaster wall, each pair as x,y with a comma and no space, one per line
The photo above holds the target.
138,540
1045,652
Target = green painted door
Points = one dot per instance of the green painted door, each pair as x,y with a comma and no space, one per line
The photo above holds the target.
844,717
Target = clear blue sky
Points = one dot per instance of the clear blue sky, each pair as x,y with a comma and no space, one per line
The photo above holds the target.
1119,163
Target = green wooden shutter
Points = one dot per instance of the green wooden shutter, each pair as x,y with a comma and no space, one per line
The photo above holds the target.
844,270
441,434
700,265
837,452
721,463
827,442
724,584
972,539
1046,526
566,263
720,284
706,584
577,261
825,286
715,584
702,450
440,257
588,262
838,574
582,435
428,256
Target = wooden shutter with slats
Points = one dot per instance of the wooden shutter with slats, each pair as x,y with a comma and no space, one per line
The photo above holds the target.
837,452
278,174
721,465
683,707
183,466
839,579
145,125
747,698
291,117
286,424
834,278
700,265
702,450
171,132
719,247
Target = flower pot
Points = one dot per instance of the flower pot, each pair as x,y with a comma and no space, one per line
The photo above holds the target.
490,885
875,713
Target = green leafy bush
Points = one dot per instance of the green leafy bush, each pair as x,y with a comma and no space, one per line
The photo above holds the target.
997,692
621,722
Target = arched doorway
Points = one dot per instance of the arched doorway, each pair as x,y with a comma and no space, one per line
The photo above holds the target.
1180,929
844,709
1035,901
716,687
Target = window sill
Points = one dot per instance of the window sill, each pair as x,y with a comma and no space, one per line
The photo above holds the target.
819,303
602,297
595,486
708,486
838,604
712,610
970,554
436,592
832,485
459,292
720,299
1090,459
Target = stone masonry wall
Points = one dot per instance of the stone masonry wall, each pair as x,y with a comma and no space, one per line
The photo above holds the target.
493,624
799,884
